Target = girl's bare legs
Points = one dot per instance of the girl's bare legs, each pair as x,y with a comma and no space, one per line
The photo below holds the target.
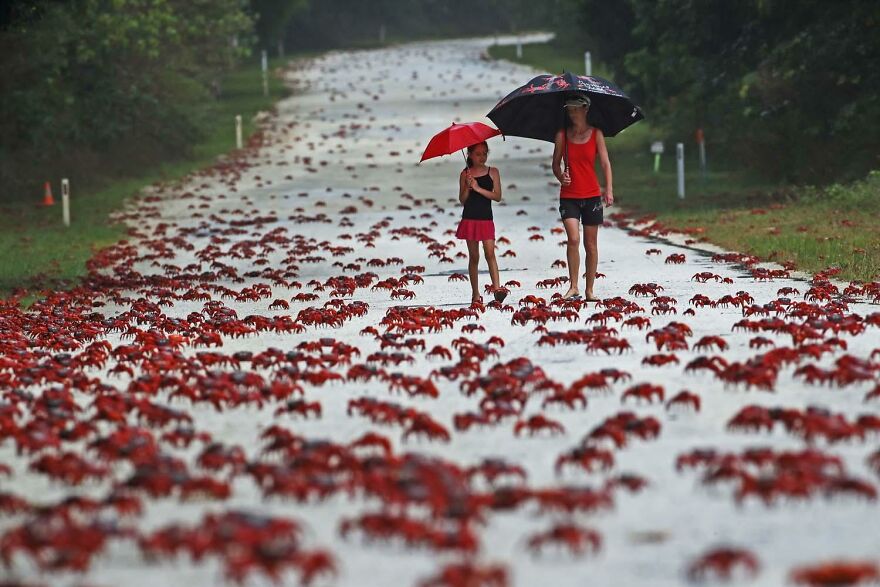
473,268
489,252
572,231
591,248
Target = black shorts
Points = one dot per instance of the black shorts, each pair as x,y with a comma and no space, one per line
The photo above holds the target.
588,210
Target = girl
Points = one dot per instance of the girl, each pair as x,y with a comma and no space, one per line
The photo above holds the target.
478,187
581,197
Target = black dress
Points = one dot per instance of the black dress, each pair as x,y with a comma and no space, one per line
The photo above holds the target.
477,206
476,219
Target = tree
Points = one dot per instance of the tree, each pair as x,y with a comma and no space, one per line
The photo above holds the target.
273,17
85,78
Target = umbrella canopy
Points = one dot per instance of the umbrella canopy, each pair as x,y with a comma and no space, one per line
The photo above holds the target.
535,110
457,137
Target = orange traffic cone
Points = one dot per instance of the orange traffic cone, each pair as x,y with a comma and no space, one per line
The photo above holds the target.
47,195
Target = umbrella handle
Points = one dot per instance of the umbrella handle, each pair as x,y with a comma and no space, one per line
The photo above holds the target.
566,152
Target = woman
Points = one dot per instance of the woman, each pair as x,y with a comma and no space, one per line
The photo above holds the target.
581,197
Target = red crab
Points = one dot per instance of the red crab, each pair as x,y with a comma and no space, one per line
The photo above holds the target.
468,574
644,391
587,458
685,398
537,423
402,293
837,573
572,398
707,342
659,360
440,351
645,289
723,563
640,322
760,342
301,407
577,539
423,425
279,305
492,469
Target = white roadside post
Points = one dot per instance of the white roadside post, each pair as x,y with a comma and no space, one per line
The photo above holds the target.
382,34
65,201
679,155
588,63
265,74
518,47
657,149
238,141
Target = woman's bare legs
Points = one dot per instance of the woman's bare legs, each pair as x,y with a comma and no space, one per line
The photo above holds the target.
591,248
489,251
473,268
572,251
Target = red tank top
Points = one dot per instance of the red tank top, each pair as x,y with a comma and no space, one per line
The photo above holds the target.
582,169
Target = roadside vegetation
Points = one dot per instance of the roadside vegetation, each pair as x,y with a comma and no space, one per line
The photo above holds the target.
39,252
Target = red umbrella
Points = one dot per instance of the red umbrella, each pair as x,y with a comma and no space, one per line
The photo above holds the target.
457,137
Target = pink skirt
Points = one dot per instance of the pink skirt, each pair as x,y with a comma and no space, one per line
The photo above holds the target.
475,230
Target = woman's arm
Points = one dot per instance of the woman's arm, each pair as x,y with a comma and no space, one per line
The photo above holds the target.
463,189
558,150
606,167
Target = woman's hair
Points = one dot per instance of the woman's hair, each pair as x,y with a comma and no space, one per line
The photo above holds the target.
470,150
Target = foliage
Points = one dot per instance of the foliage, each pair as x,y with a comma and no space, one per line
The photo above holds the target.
83,79
783,86
273,18
346,23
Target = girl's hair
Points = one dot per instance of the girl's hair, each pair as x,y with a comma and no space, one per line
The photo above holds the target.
470,150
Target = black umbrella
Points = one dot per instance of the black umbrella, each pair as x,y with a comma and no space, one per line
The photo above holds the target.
535,110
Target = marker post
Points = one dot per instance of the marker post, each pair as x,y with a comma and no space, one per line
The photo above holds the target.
65,201
657,149
265,63
679,155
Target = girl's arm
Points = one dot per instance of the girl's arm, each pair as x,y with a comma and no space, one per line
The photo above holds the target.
463,189
606,167
495,194
558,150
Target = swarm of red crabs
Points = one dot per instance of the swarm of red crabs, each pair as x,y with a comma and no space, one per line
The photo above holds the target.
108,390
81,410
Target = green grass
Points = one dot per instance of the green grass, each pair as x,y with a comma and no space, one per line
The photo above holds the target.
548,57
808,227
39,252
